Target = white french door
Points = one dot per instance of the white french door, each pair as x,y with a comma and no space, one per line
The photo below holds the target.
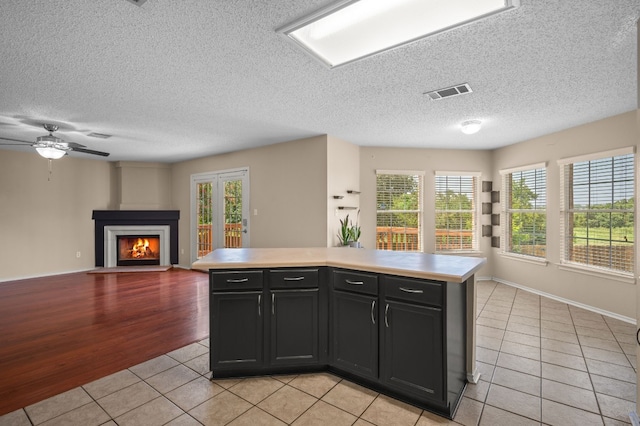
219,211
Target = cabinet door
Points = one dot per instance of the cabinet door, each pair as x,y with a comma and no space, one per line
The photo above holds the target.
412,349
355,333
294,327
236,330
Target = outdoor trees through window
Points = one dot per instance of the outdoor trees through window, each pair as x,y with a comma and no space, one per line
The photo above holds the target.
525,230
399,211
455,211
598,211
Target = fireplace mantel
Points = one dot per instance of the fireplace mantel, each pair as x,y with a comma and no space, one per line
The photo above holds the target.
104,218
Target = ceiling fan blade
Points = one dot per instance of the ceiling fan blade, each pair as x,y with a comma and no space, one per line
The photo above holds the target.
16,140
74,145
88,151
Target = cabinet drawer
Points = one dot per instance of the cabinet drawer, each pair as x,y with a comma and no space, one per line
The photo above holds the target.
413,290
236,280
293,278
355,282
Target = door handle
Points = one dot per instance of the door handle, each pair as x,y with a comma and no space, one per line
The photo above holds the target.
293,278
273,304
386,315
235,281
373,307
354,282
259,305
238,280
411,290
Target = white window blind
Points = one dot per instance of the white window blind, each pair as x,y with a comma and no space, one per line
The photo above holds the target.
399,211
525,211
597,211
455,210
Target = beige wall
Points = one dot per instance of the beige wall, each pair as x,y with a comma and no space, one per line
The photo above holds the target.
288,187
601,292
44,223
143,186
292,187
343,174
428,161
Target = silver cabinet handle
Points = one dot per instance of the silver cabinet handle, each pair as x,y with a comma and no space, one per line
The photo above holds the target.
354,282
239,280
411,290
293,278
273,303
259,305
373,307
386,315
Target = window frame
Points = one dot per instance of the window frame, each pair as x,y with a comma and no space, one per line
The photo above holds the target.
566,210
475,210
420,212
507,211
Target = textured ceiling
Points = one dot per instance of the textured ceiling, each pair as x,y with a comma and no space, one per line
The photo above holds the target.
175,80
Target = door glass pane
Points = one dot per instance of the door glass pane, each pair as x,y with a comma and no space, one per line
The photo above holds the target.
233,214
204,209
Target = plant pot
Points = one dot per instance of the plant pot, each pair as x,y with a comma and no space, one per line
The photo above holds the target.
355,244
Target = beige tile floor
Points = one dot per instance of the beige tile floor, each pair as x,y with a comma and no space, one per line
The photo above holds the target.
542,362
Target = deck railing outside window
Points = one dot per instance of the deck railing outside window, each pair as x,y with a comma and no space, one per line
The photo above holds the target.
232,237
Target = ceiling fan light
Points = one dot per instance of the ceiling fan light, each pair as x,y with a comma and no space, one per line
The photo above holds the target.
472,126
50,152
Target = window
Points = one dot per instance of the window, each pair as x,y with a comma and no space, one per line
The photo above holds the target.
456,201
597,206
399,210
525,211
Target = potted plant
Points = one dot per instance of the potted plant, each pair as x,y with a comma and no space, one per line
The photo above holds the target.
345,231
354,230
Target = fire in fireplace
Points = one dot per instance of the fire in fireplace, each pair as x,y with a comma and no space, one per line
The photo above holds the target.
138,250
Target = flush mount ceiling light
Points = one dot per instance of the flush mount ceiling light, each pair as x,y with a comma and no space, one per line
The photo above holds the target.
353,29
472,126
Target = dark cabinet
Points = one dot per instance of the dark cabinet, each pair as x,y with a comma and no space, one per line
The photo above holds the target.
236,330
294,327
354,328
354,333
412,358
236,319
402,336
261,320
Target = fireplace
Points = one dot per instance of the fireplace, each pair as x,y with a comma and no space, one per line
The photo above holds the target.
138,250
113,227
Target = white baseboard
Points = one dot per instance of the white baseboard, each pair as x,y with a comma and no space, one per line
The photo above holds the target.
28,277
473,377
567,301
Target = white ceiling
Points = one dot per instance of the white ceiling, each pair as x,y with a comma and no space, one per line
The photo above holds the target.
175,80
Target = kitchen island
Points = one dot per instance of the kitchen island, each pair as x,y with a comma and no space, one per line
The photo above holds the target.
401,323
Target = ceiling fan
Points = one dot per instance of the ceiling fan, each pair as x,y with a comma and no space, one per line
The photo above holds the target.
53,147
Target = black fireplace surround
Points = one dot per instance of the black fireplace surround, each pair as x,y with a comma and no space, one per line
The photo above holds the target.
104,218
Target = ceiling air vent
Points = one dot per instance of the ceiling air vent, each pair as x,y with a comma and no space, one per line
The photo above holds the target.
99,135
448,92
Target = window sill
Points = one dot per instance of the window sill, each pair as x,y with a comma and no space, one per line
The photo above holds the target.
528,259
617,276
461,253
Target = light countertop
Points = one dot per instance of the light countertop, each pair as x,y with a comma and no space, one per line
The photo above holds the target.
409,264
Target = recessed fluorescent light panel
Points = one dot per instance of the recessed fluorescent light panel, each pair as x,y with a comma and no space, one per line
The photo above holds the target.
354,29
